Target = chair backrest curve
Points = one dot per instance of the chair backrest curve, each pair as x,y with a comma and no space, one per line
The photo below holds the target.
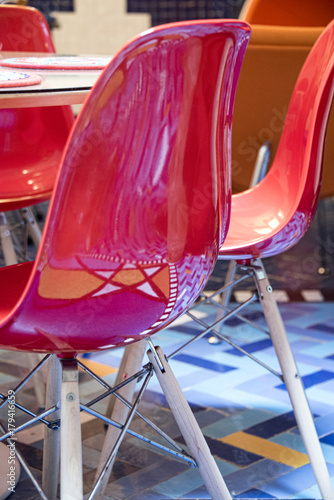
298,161
135,222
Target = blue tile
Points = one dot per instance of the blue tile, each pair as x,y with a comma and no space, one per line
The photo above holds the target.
254,476
250,348
203,363
273,426
285,485
321,350
253,400
254,493
323,328
308,333
329,439
325,424
212,401
315,378
310,493
307,359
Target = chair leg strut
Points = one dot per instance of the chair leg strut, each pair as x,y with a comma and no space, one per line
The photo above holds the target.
189,427
293,382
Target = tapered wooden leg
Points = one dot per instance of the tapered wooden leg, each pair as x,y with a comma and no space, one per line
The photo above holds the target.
38,378
189,428
131,363
33,228
225,298
8,250
51,449
293,384
71,487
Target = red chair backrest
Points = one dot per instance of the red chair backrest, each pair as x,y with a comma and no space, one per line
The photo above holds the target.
298,161
137,218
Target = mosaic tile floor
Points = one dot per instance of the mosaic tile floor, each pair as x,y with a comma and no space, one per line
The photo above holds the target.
244,413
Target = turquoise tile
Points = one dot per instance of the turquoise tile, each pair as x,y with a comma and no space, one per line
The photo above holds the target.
290,440
180,485
295,442
235,423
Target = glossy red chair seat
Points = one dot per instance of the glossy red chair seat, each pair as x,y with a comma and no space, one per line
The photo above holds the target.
32,140
271,217
150,152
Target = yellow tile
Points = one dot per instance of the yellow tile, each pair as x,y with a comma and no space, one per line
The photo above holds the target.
266,449
98,368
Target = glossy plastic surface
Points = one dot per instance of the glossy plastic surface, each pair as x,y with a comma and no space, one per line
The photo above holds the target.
273,216
31,140
142,202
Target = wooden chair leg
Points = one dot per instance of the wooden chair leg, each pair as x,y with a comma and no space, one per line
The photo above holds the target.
225,297
131,363
33,228
51,449
189,428
38,379
71,481
7,246
293,383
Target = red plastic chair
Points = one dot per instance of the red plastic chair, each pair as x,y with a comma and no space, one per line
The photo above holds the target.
31,140
274,215
150,152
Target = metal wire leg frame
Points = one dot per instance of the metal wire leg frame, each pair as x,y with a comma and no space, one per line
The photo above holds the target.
70,436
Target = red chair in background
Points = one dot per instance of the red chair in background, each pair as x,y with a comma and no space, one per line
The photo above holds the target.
150,151
32,140
283,33
272,216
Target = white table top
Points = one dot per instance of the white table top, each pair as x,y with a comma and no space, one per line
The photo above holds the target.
58,87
